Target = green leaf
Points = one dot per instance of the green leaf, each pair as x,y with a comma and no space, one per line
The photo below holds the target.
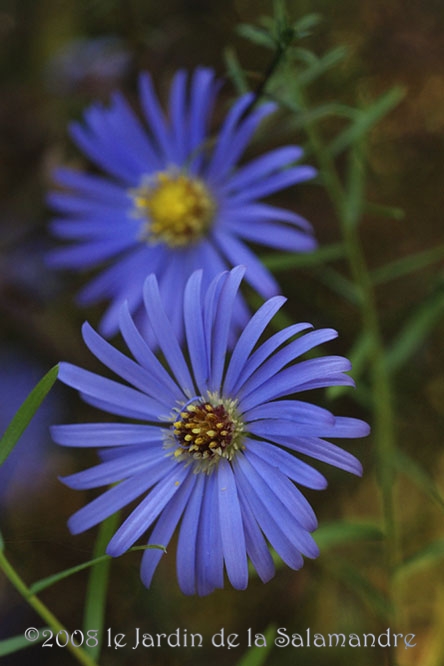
11,645
328,61
256,655
302,118
358,356
43,583
381,210
25,413
339,284
235,71
407,265
367,119
405,464
256,35
340,533
415,331
306,24
362,588
2,542
284,261
280,15
283,32
305,56
422,559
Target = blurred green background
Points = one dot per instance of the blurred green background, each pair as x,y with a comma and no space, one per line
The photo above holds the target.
56,56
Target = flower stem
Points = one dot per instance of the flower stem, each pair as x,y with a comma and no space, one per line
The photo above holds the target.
260,90
383,425
47,616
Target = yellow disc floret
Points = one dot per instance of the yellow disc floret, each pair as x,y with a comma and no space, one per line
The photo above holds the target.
178,209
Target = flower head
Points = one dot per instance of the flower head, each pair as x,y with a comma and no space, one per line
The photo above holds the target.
211,443
173,201
86,64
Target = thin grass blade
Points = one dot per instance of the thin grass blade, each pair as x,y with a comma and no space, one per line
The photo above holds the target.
25,413
11,645
257,655
367,119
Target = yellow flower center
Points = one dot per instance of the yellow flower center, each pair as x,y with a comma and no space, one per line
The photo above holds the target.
178,210
207,431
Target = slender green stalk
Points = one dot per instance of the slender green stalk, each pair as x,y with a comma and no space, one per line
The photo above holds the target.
282,41
383,425
348,216
42,610
95,601
408,265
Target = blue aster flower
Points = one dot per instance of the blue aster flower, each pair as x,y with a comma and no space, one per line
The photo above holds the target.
173,201
209,442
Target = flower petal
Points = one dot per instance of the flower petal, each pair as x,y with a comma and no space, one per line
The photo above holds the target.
231,527
287,355
276,236
237,253
93,186
104,434
123,366
295,509
263,166
101,153
88,254
265,512
128,130
261,212
203,93
150,461
209,552
186,546
147,511
273,183
195,331
266,349
221,326
155,118
113,500
235,134
135,402
248,338
165,334
145,357
288,464
290,410
295,377
164,528
178,114
324,451
257,547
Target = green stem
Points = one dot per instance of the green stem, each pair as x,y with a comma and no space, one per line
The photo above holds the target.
273,66
259,92
95,601
47,616
383,426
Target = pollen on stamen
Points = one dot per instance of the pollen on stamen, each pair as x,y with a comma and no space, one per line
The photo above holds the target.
206,432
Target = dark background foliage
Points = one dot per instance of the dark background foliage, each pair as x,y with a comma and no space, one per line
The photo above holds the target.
56,57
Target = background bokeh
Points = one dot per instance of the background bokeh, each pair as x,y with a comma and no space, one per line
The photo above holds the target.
56,56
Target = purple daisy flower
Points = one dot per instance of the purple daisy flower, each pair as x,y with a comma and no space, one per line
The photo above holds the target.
173,201
210,444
